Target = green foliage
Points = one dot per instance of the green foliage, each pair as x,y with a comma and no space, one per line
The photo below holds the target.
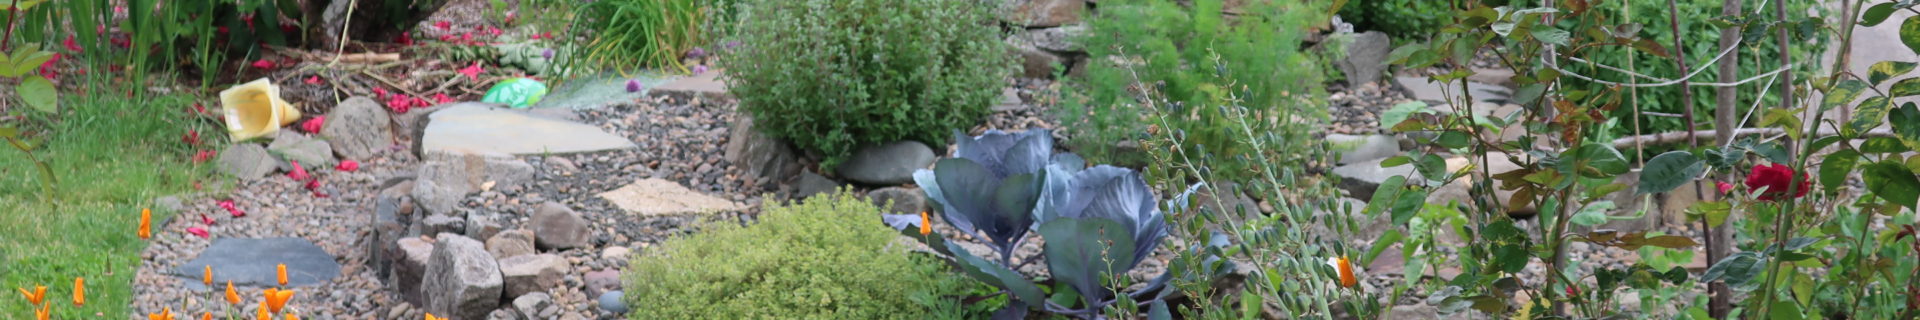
643,33
1194,64
1758,54
1401,18
834,75
823,258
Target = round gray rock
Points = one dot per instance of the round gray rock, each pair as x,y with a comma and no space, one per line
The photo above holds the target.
357,128
890,163
613,302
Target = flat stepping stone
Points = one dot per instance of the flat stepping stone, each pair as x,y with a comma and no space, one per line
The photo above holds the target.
599,91
472,128
1422,89
254,261
656,197
701,85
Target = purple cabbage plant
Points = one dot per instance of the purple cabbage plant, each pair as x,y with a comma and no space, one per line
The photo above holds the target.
1098,222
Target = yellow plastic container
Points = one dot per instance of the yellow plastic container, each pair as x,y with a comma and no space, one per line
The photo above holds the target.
255,110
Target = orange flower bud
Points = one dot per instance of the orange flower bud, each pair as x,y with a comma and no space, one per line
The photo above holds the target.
233,297
146,224
1346,272
38,294
206,277
80,292
282,273
926,224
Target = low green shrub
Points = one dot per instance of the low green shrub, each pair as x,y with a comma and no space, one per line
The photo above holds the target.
825,258
833,75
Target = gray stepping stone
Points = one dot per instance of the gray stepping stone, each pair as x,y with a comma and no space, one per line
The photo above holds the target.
253,261
1422,89
701,85
598,91
484,129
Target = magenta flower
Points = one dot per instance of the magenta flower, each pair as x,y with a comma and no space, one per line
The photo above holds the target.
546,53
441,98
443,25
198,232
633,85
71,46
231,209
348,166
699,69
473,71
313,80
314,125
697,53
263,64
379,93
299,173
205,220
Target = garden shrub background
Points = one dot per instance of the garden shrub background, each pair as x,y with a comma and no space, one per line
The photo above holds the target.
828,257
833,75
1200,63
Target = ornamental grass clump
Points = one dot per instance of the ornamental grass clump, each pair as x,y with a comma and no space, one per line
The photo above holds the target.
834,75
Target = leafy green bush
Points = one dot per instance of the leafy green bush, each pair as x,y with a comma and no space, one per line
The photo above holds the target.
1198,63
833,75
1405,18
824,258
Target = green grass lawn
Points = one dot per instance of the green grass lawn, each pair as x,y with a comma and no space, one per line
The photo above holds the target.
112,155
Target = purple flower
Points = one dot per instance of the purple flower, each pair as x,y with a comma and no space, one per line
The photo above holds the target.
732,44
547,54
696,53
699,69
633,85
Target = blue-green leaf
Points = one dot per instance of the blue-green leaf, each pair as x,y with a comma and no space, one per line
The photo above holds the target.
996,275
1083,252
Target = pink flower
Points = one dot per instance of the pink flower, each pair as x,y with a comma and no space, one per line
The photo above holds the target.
399,104
493,31
198,232
46,69
313,80
231,209
72,46
441,98
313,185
191,138
313,125
446,38
202,156
263,64
443,25
404,39
420,102
348,166
248,18
299,173
205,220
466,37
380,93
699,69
1723,186
472,71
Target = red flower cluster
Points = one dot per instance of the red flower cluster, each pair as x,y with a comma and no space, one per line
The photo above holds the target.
1777,178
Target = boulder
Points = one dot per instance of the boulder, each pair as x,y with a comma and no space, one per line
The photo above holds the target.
410,268
1043,13
481,225
530,304
437,224
761,156
811,184
511,243
503,314
462,281
1231,199
1061,39
388,227
1366,57
601,281
905,200
615,253
445,178
358,129
247,161
1035,62
557,227
888,163
1353,149
532,273
291,145
432,197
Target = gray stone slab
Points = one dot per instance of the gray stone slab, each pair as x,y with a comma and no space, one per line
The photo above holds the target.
253,261
1432,93
484,129
702,85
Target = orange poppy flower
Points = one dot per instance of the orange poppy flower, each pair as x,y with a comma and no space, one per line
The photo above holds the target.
206,316
277,299
146,224
165,314
39,294
291,316
206,277
431,317
233,297
282,273
43,313
1345,266
79,291
264,315
926,224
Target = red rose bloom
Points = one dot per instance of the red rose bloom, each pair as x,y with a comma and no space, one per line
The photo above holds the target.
1776,179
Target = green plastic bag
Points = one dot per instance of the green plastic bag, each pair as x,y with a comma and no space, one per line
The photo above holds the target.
518,93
